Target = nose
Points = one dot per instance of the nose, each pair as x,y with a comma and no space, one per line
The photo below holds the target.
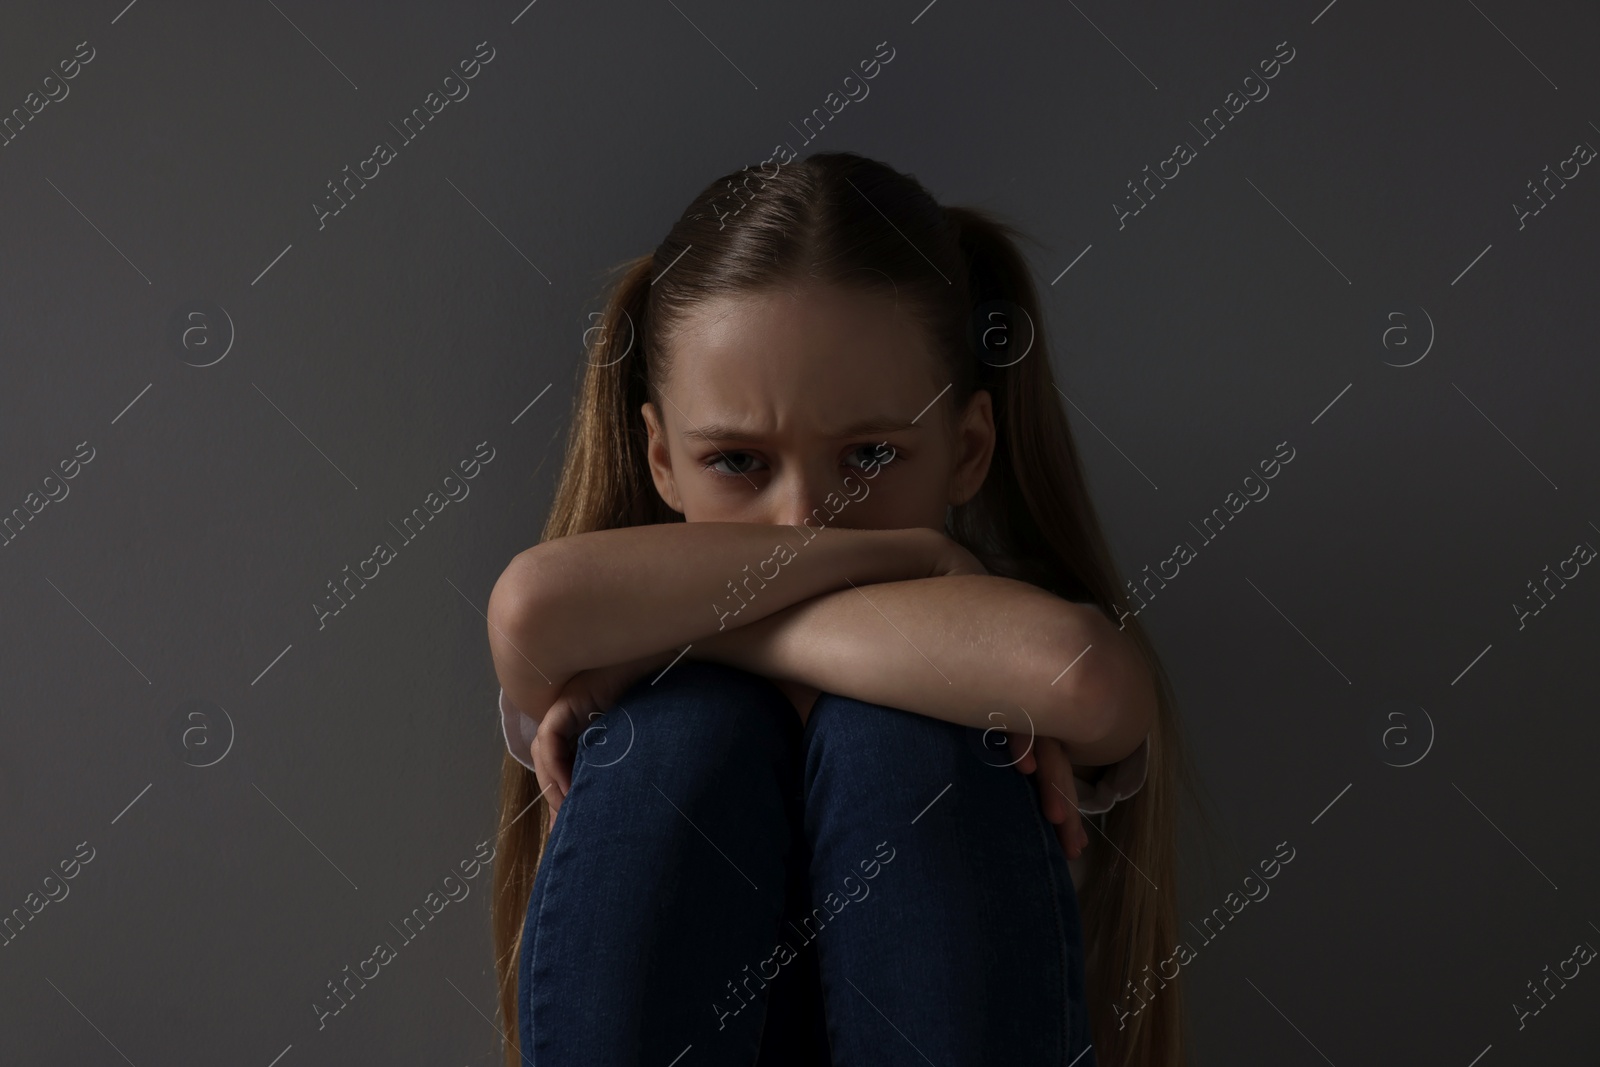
800,497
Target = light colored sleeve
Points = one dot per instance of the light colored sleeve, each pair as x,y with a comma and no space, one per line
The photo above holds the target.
1118,782
519,731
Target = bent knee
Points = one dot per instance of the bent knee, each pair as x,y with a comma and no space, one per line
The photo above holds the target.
866,737
694,718
890,764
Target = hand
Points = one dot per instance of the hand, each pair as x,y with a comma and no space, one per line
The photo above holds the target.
1058,794
583,699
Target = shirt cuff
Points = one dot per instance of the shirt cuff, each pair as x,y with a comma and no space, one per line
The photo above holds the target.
519,730
1119,782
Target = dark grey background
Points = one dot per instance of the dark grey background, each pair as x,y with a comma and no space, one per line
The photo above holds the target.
1245,306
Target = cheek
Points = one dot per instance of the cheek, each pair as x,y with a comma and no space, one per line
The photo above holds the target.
705,503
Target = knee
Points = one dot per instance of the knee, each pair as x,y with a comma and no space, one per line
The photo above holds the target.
888,764
695,720
864,740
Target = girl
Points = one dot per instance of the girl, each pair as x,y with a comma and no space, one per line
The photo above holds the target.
824,592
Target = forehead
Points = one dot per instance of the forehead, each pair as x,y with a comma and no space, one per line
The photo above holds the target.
800,360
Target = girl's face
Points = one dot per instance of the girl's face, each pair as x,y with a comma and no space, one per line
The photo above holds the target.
816,401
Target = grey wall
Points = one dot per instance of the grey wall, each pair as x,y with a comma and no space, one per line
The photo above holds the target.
1363,215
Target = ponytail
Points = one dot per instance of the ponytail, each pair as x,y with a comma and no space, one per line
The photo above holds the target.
604,483
1034,520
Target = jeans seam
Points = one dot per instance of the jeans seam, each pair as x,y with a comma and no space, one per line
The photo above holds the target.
534,923
1064,1004
1061,931
538,918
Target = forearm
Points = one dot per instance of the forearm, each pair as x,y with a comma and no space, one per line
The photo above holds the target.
979,650
603,598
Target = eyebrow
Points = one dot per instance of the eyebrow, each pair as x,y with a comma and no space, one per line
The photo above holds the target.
722,431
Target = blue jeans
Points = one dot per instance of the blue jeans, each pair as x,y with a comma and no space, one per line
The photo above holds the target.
724,886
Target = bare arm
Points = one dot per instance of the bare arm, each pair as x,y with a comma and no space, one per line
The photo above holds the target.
975,649
607,597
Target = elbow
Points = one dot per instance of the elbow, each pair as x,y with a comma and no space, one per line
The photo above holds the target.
1129,703
522,596
1111,704
1132,705
507,599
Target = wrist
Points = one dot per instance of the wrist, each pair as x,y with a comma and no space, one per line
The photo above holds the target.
891,555
749,647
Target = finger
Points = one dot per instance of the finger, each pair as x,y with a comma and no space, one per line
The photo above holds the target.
1068,845
548,792
1050,800
1051,791
1069,796
555,768
1021,752
1077,817
1072,832
549,789
560,757
552,740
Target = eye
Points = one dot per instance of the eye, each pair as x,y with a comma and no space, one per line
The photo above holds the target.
731,457
881,454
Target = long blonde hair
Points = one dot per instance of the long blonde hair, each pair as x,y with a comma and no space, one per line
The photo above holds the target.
846,219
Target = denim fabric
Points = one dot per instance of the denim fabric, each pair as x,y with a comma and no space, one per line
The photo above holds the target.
724,886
